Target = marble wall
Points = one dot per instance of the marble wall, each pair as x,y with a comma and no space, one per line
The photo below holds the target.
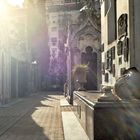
120,41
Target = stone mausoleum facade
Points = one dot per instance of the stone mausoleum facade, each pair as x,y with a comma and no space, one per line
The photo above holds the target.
120,38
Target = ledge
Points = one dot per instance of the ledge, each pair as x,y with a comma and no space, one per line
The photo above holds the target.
91,98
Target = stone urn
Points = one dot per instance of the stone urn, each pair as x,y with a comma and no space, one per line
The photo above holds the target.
80,76
128,85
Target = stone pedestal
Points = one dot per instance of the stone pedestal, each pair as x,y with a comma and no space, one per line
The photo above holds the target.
110,120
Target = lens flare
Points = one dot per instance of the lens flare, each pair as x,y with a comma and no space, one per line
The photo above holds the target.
16,2
3,9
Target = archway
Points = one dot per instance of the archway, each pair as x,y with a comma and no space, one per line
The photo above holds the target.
88,37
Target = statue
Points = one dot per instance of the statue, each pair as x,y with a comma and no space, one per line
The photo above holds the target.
127,86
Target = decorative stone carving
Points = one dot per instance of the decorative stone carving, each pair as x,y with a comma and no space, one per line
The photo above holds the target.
109,56
109,61
122,25
123,49
127,86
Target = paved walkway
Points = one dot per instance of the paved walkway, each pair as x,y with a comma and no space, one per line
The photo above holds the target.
35,118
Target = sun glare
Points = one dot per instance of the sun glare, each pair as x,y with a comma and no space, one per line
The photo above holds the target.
3,9
16,2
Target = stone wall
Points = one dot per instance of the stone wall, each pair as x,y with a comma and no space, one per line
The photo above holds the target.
136,33
13,45
119,48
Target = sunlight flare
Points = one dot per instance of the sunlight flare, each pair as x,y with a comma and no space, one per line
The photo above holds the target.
16,2
3,9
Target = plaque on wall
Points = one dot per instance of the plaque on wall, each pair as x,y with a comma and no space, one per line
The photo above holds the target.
113,70
113,52
103,68
125,49
119,48
108,60
107,64
106,77
110,65
122,25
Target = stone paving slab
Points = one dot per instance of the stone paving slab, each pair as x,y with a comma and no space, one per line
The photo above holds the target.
15,101
35,118
42,116
72,128
64,102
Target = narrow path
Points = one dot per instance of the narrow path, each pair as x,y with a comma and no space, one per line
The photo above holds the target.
34,118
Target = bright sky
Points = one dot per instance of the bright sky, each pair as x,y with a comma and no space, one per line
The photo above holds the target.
16,2
3,8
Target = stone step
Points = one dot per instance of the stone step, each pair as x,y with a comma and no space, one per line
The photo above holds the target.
72,128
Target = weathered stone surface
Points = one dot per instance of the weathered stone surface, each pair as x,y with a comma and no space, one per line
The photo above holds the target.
107,120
